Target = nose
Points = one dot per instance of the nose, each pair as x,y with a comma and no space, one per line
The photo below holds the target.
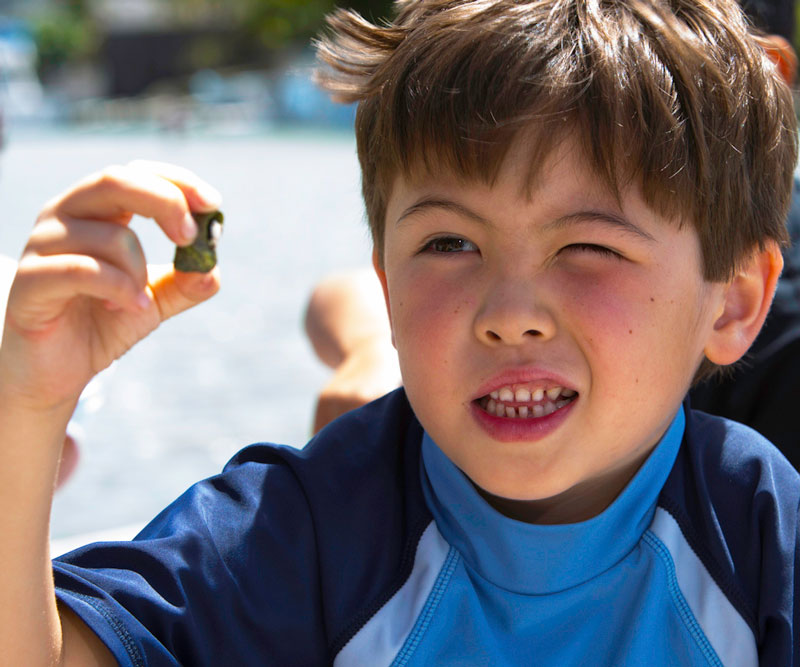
513,315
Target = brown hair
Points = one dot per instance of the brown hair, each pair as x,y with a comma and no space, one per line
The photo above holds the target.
675,93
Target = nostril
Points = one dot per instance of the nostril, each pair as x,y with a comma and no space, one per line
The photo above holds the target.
533,332
492,336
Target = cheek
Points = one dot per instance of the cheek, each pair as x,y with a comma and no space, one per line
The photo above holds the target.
639,327
604,306
428,320
626,324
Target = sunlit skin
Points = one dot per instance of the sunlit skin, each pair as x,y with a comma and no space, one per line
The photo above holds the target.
559,285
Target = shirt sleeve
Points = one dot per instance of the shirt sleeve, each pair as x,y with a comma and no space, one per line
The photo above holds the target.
226,575
779,594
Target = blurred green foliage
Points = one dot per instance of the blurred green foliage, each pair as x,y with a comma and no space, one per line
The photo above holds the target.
64,32
278,23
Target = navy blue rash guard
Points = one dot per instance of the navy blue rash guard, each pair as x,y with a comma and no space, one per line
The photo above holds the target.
369,547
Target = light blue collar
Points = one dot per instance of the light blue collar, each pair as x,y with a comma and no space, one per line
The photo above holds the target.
538,559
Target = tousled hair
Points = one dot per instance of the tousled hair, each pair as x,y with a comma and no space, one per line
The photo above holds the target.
676,94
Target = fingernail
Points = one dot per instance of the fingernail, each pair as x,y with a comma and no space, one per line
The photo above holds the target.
143,300
209,281
189,228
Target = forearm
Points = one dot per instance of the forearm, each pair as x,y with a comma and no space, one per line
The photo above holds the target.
30,444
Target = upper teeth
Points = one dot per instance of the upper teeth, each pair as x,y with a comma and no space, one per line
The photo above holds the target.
523,395
536,405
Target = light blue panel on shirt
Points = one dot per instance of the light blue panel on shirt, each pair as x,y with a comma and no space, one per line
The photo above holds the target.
624,617
718,620
385,634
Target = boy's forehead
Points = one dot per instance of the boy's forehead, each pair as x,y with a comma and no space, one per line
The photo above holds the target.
562,186
528,166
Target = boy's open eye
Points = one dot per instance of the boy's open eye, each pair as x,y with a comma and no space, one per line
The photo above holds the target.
449,244
591,247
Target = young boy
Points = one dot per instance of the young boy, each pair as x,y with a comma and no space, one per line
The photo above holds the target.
577,209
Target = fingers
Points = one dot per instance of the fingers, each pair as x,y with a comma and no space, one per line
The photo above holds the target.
176,291
85,232
81,246
45,285
113,244
200,196
162,192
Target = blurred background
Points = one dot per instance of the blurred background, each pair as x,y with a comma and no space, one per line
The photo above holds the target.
222,87
171,64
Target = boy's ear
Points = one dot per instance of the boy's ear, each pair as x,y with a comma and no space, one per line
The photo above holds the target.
379,271
746,302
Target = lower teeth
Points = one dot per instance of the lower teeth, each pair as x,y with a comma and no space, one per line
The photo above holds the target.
524,412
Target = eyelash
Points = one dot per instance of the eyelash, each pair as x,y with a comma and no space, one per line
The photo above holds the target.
459,243
430,246
598,249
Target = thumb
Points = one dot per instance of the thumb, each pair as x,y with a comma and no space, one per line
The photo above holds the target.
176,291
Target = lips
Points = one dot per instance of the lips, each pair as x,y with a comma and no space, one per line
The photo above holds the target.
525,401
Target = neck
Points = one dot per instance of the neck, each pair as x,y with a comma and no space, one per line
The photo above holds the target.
579,503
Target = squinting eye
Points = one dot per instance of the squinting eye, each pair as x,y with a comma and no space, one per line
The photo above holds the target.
590,247
448,244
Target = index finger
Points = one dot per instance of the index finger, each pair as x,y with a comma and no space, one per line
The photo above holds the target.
117,193
201,196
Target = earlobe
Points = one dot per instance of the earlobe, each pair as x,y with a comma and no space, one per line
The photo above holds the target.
746,303
381,273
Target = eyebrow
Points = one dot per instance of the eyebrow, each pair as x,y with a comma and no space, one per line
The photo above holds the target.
447,205
603,217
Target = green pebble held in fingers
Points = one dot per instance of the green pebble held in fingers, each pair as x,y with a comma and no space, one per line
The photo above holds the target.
201,256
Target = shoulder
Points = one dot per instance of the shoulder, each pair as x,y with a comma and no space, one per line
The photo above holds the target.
356,487
376,442
736,500
354,476
733,458
323,534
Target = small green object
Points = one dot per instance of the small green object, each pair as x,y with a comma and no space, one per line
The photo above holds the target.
201,256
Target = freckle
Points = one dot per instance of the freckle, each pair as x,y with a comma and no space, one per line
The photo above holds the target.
652,299
630,331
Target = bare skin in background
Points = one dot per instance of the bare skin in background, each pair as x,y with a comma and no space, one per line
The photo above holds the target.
347,325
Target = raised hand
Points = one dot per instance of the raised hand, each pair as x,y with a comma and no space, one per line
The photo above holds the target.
83,294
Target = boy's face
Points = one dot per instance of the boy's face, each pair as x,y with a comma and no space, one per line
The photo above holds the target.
545,341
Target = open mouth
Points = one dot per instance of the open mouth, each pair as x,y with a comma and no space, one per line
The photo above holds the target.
526,403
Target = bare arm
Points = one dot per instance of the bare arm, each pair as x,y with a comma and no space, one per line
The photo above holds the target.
82,296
